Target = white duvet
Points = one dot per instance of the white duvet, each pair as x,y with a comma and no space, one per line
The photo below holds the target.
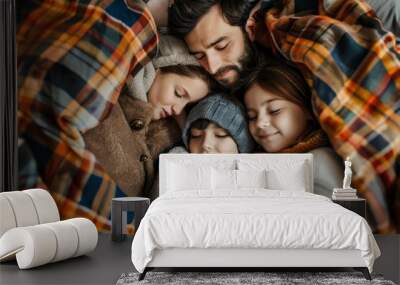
253,218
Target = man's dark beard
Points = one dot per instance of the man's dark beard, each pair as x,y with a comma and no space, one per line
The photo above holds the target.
224,69
244,62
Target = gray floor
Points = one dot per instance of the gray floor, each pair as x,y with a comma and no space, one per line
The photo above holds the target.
111,259
389,262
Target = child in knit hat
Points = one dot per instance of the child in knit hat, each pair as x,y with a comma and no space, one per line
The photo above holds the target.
279,111
217,124
171,81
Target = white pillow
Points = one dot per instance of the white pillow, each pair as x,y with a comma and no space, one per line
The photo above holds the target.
292,178
251,178
183,178
229,179
282,174
224,179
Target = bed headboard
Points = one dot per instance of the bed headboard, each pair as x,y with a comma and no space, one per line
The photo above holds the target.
234,161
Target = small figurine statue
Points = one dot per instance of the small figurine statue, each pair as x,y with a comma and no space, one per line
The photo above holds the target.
347,174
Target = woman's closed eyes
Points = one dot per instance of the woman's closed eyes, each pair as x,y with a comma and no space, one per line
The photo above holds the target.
180,92
178,95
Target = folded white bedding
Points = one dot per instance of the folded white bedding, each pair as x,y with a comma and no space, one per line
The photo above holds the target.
252,218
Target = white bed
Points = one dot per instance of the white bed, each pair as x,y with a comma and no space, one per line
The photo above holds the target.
247,210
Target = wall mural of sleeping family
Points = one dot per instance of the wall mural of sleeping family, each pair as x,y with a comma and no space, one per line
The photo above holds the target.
105,87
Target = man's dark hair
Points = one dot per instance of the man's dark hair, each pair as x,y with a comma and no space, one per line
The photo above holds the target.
184,15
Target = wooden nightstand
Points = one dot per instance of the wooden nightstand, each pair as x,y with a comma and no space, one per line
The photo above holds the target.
356,205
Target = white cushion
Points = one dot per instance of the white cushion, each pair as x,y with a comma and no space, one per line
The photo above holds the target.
45,205
23,208
224,179
256,162
87,235
36,244
228,179
286,174
251,178
183,178
7,218
32,246
40,244
292,178
66,237
26,208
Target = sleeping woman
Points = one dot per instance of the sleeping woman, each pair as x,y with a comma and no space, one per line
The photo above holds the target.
143,123
278,105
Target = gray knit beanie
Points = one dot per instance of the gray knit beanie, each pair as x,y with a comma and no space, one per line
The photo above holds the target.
173,51
228,114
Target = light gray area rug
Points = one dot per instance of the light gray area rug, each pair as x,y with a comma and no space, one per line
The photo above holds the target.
232,278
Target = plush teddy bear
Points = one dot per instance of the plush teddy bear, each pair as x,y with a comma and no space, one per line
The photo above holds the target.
128,143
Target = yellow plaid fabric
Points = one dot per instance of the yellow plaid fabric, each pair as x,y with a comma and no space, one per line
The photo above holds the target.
353,68
73,60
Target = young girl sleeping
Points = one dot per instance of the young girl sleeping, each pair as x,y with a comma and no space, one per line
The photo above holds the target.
278,105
